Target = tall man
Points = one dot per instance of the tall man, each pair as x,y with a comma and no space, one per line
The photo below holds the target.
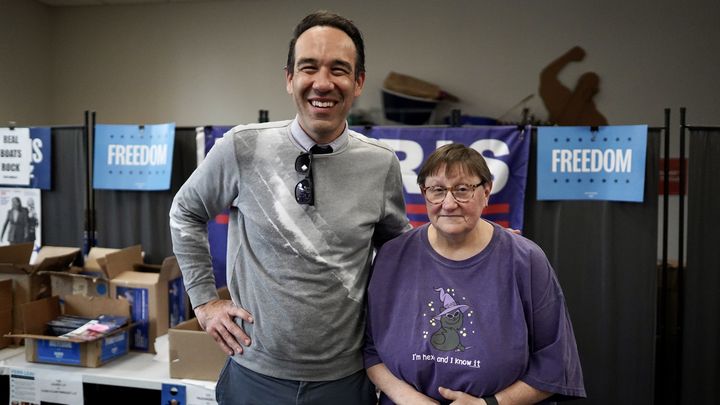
309,199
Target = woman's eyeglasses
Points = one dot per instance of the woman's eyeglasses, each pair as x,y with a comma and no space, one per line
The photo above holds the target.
304,188
462,193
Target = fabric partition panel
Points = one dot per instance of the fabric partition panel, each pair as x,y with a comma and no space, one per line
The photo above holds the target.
700,372
605,255
63,206
126,218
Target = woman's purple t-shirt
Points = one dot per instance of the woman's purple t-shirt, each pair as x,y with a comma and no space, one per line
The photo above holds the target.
476,325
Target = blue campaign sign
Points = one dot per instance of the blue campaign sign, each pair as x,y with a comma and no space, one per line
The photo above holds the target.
40,158
218,226
577,163
132,157
505,148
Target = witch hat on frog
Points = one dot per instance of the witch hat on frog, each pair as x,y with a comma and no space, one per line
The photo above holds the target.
449,304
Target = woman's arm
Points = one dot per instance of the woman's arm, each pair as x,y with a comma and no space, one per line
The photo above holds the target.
518,393
398,390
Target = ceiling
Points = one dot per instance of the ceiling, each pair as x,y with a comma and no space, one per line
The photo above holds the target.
63,3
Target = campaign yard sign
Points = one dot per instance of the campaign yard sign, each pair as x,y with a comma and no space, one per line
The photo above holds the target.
505,149
133,157
584,163
25,157
15,156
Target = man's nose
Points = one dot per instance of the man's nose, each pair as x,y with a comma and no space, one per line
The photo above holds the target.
323,81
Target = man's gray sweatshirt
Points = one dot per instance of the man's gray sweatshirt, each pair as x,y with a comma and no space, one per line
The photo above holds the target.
300,270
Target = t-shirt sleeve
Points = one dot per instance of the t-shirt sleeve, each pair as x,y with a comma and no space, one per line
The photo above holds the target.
554,364
370,354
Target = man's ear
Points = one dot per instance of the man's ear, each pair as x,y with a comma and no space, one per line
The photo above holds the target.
359,83
288,80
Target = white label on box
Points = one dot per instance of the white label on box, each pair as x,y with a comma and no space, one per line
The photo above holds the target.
197,395
63,388
22,387
79,286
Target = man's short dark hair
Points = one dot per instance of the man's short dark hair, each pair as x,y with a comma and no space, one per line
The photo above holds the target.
328,19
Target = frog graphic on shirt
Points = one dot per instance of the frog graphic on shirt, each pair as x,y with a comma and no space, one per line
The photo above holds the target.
447,338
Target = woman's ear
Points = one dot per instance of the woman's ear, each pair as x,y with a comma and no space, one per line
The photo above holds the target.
487,188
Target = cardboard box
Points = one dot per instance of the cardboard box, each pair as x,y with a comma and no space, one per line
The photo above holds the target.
29,280
156,295
6,315
40,348
193,353
76,282
93,279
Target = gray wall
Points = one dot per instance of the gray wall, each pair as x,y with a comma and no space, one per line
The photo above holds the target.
220,61
24,62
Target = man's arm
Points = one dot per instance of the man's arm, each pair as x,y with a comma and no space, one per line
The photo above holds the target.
394,220
209,190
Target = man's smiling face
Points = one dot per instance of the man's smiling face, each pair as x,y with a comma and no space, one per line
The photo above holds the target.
323,82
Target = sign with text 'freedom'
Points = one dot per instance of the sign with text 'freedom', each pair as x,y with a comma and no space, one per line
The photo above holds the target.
577,163
133,157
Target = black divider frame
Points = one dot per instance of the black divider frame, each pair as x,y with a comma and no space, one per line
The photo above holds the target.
699,278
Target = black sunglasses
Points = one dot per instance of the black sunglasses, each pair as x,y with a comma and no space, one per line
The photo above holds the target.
304,188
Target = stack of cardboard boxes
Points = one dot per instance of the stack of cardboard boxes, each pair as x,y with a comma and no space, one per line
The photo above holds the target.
30,281
154,294
111,282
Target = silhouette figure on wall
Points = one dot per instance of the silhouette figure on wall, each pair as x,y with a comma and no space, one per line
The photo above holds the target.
570,107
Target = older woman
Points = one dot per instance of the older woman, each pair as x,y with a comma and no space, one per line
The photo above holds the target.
462,310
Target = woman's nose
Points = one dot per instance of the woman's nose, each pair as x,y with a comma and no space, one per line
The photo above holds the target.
449,200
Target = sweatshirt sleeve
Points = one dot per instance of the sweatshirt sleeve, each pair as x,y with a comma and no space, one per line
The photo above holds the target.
210,189
394,220
554,364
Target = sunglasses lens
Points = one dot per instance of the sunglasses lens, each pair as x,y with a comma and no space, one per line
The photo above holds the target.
304,192
302,163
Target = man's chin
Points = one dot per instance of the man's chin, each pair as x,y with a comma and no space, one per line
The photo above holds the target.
324,129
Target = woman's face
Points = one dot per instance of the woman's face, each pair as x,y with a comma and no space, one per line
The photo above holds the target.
450,217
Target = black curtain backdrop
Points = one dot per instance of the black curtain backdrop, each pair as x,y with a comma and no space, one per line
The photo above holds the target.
63,205
126,218
605,256
700,371
604,253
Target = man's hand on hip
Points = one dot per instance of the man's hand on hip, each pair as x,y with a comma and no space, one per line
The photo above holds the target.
217,318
